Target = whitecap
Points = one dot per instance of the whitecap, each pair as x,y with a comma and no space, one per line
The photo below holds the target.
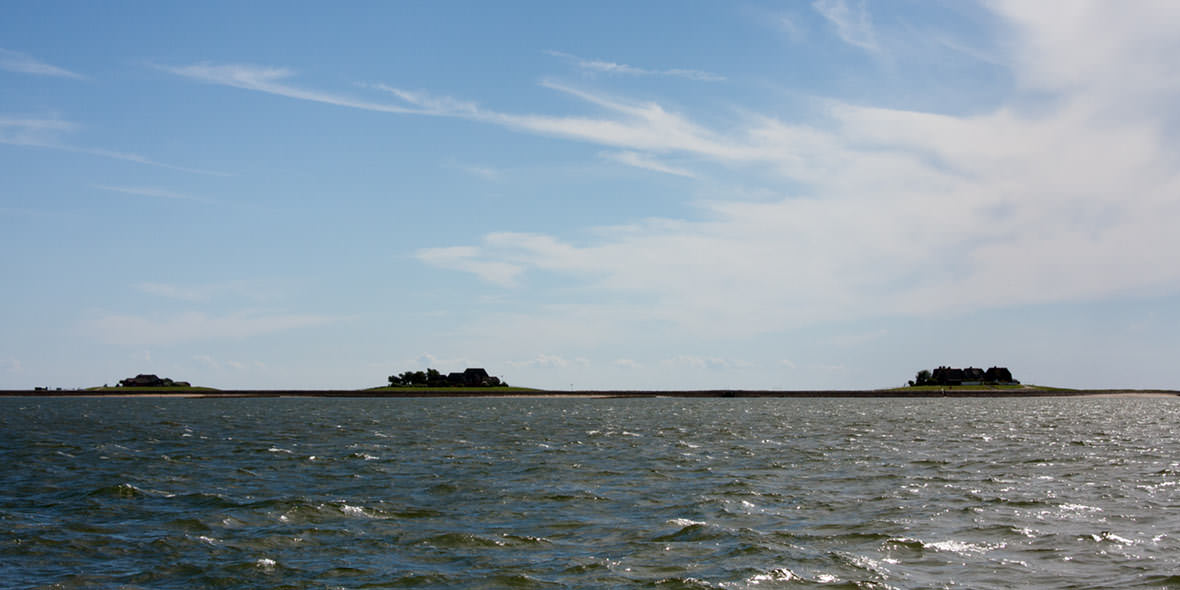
353,510
265,563
960,547
1111,537
682,522
780,574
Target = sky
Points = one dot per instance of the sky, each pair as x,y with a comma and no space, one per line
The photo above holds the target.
601,195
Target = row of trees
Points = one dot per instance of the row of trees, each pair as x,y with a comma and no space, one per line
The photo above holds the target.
427,378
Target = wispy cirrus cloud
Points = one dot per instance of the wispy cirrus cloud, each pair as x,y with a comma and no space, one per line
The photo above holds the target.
609,67
853,24
49,132
272,81
17,130
637,126
882,211
645,162
23,63
156,193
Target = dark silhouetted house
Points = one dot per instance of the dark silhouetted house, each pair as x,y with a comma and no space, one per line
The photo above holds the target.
972,376
472,378
999,375
142,380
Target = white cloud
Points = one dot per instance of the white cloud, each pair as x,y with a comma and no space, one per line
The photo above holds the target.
33,131
904,212
607,67
14,61
853,25
463,258
271,80
641,161
700,362
889,211
47,133
150,192
637,126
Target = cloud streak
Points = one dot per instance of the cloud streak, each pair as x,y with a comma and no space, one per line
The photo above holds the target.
155,193
46,133
608,67
642,161
853,24
21,63
271,80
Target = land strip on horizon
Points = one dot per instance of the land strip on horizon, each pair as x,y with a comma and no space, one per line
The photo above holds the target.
496,392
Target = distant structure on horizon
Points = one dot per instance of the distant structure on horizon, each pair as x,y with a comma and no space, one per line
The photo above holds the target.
968,376
142,380
476,377
472,377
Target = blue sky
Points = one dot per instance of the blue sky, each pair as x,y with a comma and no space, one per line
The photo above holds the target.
657,195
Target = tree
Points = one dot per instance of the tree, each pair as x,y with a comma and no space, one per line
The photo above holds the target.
395,381
434,378
413,378
923,377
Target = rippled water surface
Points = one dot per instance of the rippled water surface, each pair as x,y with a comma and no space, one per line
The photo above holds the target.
601,493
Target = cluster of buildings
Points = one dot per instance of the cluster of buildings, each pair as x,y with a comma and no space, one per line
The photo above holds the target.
473,377
968,376
142,380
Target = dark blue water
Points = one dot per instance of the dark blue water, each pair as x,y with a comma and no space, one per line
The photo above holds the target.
559,493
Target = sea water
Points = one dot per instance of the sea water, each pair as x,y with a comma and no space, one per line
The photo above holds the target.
589,493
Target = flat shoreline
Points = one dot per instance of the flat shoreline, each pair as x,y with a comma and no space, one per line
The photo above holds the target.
601,394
